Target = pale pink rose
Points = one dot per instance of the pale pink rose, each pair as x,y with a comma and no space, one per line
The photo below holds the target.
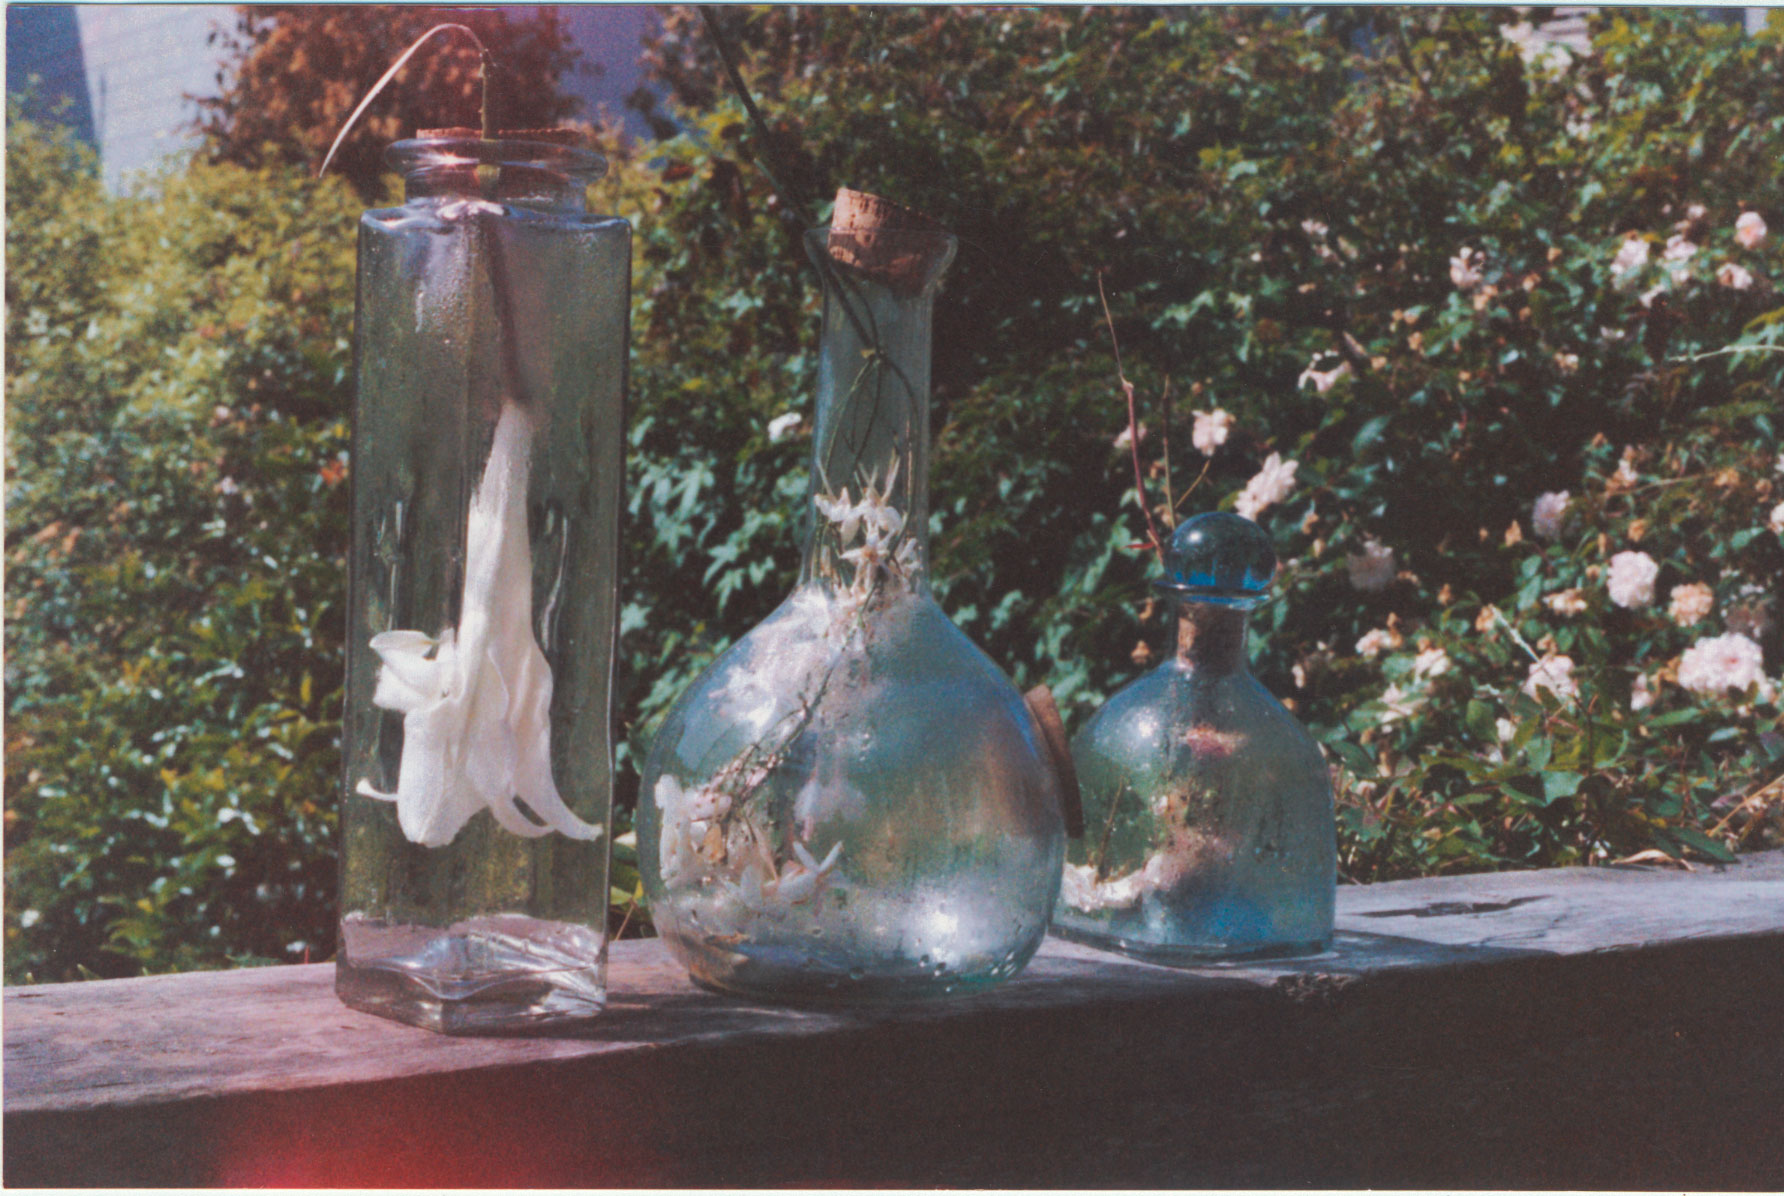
1273,483
1124,440
1373,568
1400,704
1640,696
1465,268
1548,514
1729,661
1631,579
1211,430
1566,602
1375,642
1654,292
1631,257
1735,277
1323,380
1776,522
1432,662
1749,230
1691,603
1678,249
1555,674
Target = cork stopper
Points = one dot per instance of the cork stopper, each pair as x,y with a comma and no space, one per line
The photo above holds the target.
885,240
1046,716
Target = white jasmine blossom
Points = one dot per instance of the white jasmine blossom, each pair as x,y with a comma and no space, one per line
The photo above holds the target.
1749,230
476,702
1550,511
1730,661
1555,674
1373,568
1631,579
1211,430
1691,603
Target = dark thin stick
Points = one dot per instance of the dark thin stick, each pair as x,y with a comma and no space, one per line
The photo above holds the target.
794,202
1133,427
1170,499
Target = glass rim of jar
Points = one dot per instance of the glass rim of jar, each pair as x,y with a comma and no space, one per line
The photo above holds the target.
1214,595
573,162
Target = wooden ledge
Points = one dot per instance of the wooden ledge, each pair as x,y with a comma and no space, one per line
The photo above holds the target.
1583,1028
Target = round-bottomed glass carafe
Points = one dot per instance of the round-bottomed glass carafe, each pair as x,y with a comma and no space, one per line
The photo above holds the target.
853,804
488,457
1209,830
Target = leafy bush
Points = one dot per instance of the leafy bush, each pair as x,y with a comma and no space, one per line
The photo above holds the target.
177,401
1395,251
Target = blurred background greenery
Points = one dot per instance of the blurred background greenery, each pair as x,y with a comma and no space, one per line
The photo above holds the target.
1443,266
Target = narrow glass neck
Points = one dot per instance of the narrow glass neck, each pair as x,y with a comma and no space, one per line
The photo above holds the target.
870,455
1211,638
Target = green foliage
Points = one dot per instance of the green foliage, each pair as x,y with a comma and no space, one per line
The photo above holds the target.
177,401
1265,204
1271,211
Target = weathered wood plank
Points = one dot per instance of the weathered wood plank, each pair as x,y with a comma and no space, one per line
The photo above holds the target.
1585,1028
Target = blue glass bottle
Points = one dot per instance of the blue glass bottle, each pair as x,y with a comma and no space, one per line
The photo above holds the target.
1208,809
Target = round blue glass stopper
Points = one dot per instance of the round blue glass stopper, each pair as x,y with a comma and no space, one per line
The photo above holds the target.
1220,558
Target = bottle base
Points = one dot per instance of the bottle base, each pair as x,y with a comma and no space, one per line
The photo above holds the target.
1189,955
796,975
493,975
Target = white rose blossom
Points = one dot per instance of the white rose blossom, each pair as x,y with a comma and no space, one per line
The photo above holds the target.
1550,511
1749,230
1776,521
1678,249
1631,257
1691,603
1631,579
1555,674
1375,642
1124,440
1465,268
1211,430
1737,278
1323,380
1640,696
1373,568
1730,661
1431,662
783,426
1271,484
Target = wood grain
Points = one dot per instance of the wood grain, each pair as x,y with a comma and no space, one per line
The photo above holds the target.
1575,1028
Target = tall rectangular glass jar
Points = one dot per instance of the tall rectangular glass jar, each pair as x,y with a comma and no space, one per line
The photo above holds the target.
488,458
